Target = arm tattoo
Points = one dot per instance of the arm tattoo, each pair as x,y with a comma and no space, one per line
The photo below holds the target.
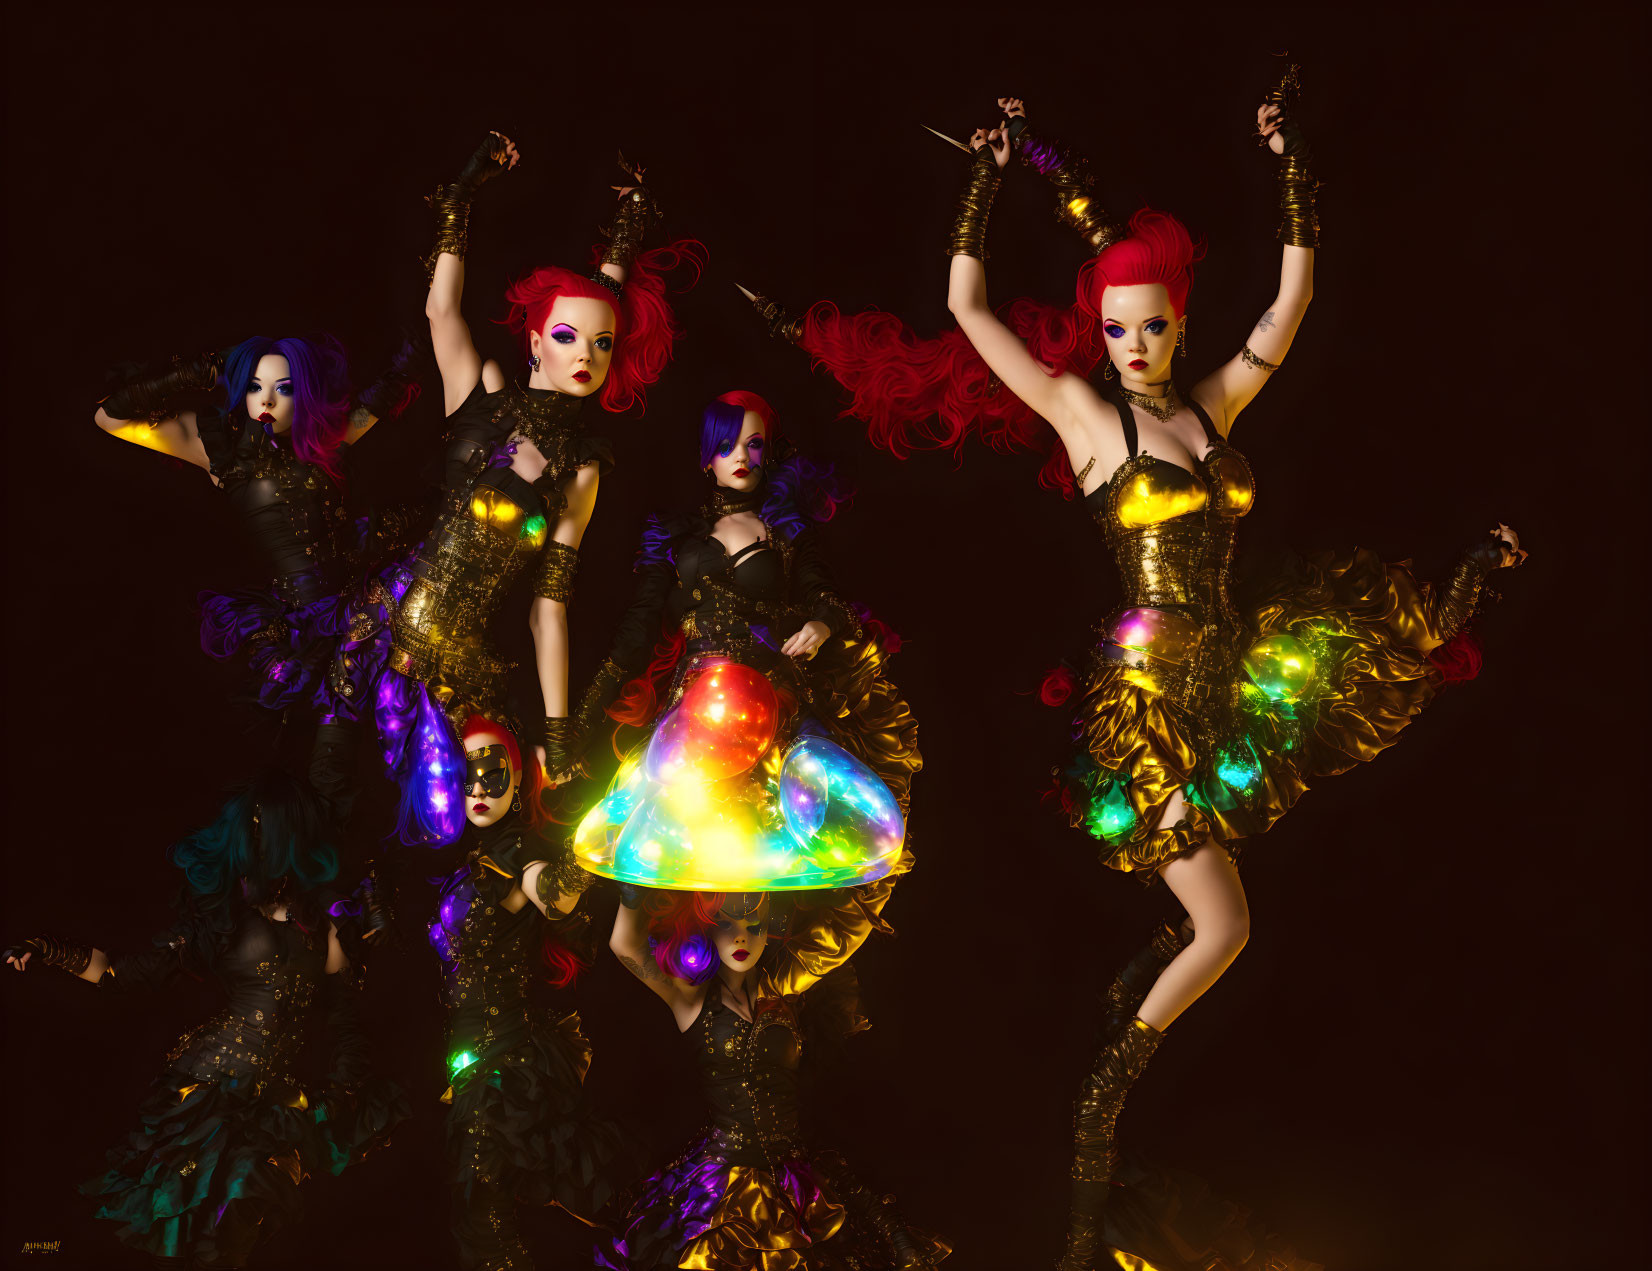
648,971
1266,321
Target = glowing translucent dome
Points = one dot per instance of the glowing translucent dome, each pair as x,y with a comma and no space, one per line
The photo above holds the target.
704,807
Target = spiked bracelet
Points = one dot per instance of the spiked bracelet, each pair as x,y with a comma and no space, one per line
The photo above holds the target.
451,203
637,212
969,227
1075,200
155,397
781,324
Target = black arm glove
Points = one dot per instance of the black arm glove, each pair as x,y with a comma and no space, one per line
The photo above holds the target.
161,394
399,385
53,951
812,586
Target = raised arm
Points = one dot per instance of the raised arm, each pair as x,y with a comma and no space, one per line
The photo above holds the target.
548,616
456,356
629,942
1061,400
1230,388
150,409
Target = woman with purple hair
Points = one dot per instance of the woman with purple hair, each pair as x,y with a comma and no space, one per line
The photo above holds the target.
771,677
277,445
743,579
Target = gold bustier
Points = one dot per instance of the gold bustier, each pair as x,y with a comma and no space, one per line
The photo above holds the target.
475,552
1172,532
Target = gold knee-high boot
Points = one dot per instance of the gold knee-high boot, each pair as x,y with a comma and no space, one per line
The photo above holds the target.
1095,1150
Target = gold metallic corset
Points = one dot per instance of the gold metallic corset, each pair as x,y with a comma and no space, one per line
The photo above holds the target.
473,555
1172,539
1172,534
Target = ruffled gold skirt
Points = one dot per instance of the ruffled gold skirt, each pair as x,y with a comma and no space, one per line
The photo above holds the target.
1330,667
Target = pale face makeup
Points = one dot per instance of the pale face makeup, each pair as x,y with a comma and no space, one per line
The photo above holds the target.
270,393
575,347
1140,329
740,941
481,808
740,466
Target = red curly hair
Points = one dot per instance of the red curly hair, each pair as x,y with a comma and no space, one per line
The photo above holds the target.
919,394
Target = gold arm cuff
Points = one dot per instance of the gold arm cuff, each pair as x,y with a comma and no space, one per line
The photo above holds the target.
969,227
636,213
1298,196
1250,359
452,208
556,572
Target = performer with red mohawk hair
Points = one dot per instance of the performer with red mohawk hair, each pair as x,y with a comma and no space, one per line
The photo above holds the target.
1202,719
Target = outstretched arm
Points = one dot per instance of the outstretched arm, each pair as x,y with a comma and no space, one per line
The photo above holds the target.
1231,387
1056,398
149,410
456,356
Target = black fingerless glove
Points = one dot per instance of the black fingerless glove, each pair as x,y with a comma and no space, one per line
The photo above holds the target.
53,951
487,162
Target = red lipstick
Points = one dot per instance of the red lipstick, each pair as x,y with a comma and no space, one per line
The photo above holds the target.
582,377
480,807
1136,364
740,955
266,418
742,472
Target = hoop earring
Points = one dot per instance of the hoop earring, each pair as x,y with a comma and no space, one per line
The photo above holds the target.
1107,371
1181,338
516,800
533,361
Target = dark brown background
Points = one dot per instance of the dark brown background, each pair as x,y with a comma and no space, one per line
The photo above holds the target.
1427,1056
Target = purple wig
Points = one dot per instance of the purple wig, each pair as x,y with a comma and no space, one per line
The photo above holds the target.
321,393
797,491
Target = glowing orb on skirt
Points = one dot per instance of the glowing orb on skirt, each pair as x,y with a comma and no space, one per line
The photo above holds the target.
840,813
833,824
1281,666
725,721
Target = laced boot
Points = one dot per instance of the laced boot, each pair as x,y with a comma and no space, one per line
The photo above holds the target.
1095,1149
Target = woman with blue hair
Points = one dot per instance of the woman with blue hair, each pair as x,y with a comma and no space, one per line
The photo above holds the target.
233,1123
277,441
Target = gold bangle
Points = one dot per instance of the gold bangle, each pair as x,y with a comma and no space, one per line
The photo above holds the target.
452,208
1298,194
969,227
1250,359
